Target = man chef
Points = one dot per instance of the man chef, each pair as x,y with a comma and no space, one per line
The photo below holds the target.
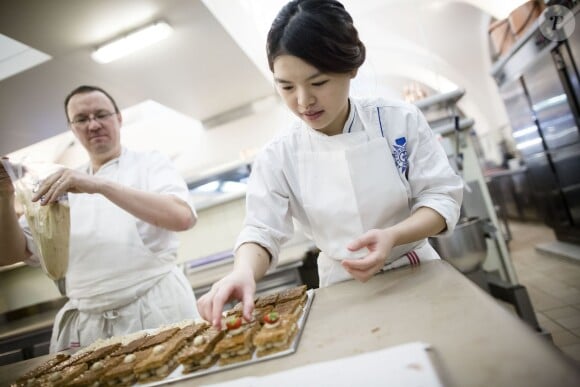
125,210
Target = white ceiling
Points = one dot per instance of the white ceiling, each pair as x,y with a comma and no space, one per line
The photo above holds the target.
214,63
198,71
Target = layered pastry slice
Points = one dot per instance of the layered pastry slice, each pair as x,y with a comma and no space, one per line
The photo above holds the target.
92,376
236,310
34,375
237,344
98,354
275,335
64,376
188,332
159,337
265,300
198,354
259,312
122,373
298,292
291,309
131,346
162,360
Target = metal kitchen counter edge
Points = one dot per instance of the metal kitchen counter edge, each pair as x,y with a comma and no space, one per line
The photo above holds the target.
477,342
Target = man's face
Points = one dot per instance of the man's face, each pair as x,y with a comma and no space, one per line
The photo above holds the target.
95,124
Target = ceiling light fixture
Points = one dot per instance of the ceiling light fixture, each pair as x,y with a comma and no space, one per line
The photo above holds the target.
132,42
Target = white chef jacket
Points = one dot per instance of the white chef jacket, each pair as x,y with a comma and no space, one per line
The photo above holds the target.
150,171
273,193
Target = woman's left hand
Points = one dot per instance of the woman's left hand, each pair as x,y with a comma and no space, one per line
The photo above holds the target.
379,243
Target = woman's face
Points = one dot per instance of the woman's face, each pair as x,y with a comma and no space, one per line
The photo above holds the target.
319,99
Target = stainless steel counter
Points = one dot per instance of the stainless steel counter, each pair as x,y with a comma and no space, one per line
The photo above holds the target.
477,341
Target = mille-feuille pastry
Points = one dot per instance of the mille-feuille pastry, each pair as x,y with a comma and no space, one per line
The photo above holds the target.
259,312
298,292
31,376
122,374
291,309
74,359
189,331
275,335
160,337
132,346
264,300
198,354
91,377
64,376
237,344
98,354
162,360
236,310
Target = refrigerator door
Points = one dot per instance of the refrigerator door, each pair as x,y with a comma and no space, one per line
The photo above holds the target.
550,102
547,193
522,120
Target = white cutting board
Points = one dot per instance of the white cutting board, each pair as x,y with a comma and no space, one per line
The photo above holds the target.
406,365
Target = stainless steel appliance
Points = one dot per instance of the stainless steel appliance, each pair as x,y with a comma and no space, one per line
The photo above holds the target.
478,247
539,83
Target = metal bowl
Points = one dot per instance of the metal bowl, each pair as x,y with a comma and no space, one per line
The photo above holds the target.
466,247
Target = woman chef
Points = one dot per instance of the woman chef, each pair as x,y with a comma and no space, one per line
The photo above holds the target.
125,207
367,179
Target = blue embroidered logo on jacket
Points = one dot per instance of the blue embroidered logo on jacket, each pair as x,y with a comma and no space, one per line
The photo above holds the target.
400,155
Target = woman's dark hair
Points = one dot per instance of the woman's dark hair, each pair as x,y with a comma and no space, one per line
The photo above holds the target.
320,32
87,89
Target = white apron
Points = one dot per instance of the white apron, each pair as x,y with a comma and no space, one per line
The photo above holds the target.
345,194
115,284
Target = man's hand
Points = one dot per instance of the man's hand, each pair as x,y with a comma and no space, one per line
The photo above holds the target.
379,243
62,181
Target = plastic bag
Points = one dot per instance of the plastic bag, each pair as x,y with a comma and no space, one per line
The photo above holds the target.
49,224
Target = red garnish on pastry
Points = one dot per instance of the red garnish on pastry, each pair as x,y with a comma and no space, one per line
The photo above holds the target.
271,317
233,322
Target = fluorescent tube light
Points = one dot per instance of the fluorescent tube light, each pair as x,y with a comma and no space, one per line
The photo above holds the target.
132,42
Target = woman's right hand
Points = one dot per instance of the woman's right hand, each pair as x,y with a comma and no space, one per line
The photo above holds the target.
238,285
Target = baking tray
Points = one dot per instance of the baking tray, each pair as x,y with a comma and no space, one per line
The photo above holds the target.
178,375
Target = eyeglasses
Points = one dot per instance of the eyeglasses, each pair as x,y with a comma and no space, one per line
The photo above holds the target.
82,122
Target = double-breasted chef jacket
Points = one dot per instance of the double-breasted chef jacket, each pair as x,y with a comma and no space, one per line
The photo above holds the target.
122,275
385,165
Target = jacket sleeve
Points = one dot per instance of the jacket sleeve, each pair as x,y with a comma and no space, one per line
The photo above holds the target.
268,219
433,181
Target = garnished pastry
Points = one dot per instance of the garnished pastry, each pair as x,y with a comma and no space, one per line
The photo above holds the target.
237,344
233,323
271,319
276,335
269,299
258,313
199,353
